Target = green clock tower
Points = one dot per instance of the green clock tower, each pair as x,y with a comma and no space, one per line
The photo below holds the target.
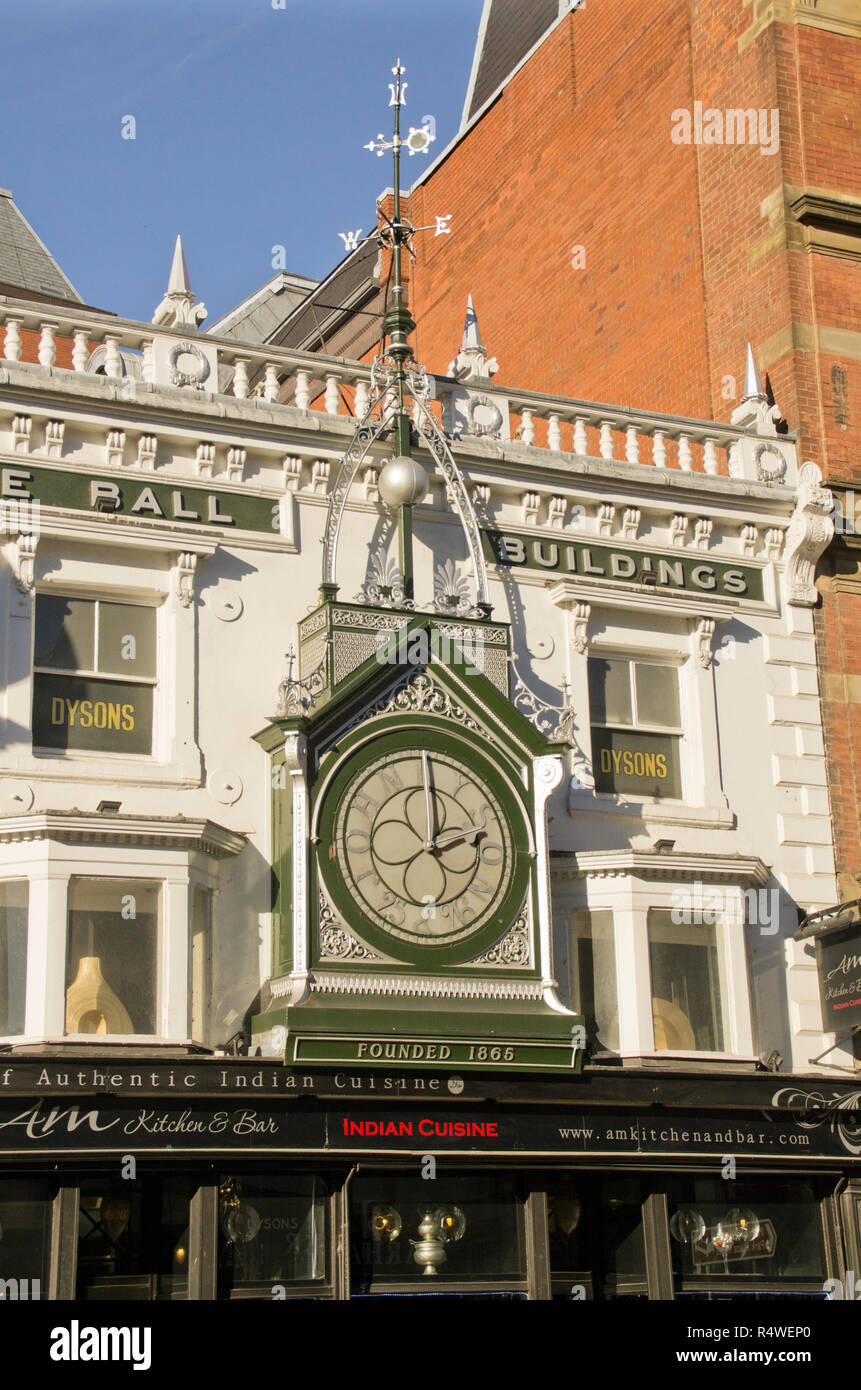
412,918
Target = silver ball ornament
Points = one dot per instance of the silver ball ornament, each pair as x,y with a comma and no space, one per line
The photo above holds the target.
402,482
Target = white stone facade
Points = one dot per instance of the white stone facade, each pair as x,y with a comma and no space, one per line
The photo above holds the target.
183,461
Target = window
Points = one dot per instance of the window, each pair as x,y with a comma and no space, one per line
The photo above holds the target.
686,986
595,1228
94,675
201,964
271,1230
759,1231
466,1231
13,957
25,1233
133,1238
112,956
636,727
594,962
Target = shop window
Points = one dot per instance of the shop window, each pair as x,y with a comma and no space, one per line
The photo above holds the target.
765,1233
94,675
272,1231
112,956
595,1229
594,969
25,1236
636,727
686,984
409,1234
13,957
133,1238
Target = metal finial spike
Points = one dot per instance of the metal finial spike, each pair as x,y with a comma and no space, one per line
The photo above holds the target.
753,389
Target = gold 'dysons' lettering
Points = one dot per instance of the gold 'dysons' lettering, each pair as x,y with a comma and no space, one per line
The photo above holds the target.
633,764
93,714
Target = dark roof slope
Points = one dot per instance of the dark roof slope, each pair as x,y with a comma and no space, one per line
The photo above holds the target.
25,260
512,28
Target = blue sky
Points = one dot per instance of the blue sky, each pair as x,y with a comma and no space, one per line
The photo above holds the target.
249,127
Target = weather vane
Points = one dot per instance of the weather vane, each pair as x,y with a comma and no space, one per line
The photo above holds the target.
395,374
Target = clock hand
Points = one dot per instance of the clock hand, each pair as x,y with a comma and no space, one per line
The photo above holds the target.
428,815
464,833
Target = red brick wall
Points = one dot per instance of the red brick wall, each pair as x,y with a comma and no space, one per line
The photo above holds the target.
691,250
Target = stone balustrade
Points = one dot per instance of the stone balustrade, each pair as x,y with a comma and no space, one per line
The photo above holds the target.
157,357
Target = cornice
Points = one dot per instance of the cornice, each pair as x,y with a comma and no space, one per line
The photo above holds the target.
655,864
84,828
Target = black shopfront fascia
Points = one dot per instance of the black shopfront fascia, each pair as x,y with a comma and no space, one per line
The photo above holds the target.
634,1147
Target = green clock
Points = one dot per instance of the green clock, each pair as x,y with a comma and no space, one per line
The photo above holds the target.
424,847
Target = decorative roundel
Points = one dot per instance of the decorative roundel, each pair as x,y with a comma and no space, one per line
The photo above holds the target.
15,796
188,378
769,475
493,427
225,787
226,606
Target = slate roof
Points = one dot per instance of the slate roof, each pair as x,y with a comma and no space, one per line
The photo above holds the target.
509,29
25,260
258,317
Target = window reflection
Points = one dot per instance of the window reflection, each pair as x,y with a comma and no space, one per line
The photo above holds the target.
768,1229
271,1231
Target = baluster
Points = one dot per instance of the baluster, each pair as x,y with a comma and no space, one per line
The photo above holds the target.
685,460
632,445
113,361
148,366
659,449
606,439
47,346
362,399
303,390
80,351
581,439
12,350
240,377
527,428
554,434
270,382
332,398
710,458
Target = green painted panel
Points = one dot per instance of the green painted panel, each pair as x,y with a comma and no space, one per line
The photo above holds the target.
140,497
496,1054
690,574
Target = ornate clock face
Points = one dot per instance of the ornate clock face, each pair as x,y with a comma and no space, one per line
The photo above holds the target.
423,845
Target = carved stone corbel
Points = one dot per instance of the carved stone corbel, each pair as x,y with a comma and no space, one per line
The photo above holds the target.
580,616
25,562
701,641
810,530
183,577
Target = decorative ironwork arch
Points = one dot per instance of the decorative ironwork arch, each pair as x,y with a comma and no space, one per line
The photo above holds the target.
367,433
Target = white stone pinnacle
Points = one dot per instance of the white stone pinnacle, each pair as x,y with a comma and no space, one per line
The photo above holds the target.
752,381
179,271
